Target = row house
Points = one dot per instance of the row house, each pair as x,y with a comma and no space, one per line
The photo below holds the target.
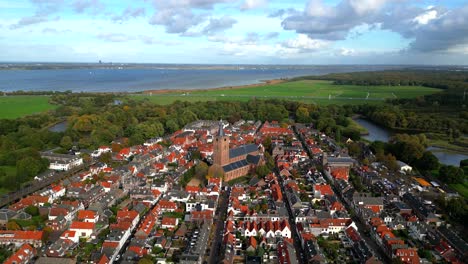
266,229
329,226
25,254
19,238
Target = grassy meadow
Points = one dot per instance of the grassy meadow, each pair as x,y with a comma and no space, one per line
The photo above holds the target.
17,106
308,91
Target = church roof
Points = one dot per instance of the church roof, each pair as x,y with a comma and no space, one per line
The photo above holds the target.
242,150
253,159
235,165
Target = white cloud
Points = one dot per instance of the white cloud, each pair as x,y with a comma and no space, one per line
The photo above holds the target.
347,52
426,17
252,4
305,44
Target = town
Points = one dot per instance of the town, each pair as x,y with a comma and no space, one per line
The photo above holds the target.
218,192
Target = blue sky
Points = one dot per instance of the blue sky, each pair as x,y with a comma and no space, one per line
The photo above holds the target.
235,31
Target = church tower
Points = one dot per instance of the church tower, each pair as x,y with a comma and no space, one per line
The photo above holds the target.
221,147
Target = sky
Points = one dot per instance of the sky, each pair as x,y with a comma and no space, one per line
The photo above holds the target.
431,32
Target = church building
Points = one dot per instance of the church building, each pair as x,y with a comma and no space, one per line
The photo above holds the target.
236,162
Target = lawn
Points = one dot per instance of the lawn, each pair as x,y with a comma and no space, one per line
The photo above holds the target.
462,189
17,106
308,91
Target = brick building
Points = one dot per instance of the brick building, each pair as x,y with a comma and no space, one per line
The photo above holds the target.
236,162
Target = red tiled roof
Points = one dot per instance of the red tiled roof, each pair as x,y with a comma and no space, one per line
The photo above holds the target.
24,254
86,214
21,235
324,189
170,221
82,225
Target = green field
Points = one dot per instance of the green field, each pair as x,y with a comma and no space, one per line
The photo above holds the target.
17,106
462,189
308,91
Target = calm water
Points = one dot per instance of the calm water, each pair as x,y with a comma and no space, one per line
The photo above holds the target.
132,80
381,134
59,127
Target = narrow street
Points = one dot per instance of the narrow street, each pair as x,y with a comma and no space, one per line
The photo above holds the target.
292,223
217,242
376,249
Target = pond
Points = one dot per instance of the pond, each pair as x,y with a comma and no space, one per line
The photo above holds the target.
377,132
59,127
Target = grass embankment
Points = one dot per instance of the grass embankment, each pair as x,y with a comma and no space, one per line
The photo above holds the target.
458,145
307,91
17,106
461,189
356,126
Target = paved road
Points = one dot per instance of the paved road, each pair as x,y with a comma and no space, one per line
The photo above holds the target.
295,235
220,215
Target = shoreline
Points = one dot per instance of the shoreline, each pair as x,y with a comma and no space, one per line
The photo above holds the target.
245,86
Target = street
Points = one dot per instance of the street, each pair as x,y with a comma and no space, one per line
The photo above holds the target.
220,214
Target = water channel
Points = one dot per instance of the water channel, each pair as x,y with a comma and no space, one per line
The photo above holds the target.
379,133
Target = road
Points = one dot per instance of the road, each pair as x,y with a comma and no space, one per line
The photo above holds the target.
292,223
376,249
220,215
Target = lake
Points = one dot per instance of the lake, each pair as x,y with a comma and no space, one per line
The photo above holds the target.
379,133
160,77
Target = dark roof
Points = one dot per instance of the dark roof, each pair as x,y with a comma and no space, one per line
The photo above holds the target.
253,159
235,165
242,150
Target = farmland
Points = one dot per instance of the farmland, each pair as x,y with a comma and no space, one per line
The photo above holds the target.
307,91
17,106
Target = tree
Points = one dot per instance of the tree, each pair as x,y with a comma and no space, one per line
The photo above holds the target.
262,170
66,142
338,134
451,174
145,261
201,170
27,168
12,225
302,115
428,162
32,210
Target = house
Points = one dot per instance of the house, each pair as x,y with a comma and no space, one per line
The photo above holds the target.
167,206
70,235
251,244
169,222
375,204
83,229
88,216
322,190
21,237
62,162
128,216
408,255
24,255
404,167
